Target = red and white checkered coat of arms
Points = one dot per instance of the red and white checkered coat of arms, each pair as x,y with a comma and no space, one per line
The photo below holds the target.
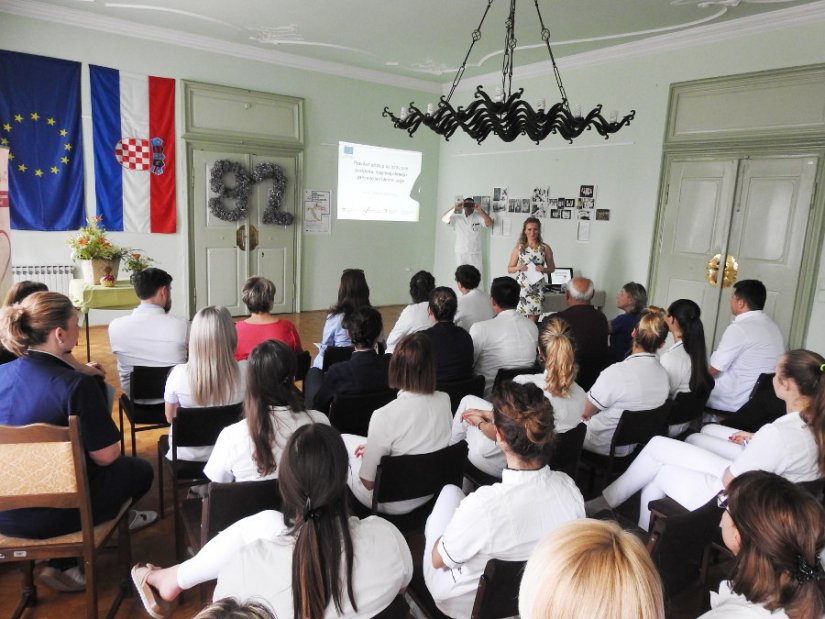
140,154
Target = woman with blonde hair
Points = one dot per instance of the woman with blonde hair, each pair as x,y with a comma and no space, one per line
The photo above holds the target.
530,260
258,294
211,376
590,568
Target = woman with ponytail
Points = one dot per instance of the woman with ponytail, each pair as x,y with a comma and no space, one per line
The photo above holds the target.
312,560
504,520
692,472
273,408
776,530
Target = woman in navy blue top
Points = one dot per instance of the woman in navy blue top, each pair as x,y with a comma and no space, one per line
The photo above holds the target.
631,299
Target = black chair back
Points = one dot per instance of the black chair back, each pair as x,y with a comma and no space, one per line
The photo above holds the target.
225,504
398,609
334,354
510,373
146,383
195,427
497,594
351,413
685,407
457,389
638,427
567,450
761,408
304,360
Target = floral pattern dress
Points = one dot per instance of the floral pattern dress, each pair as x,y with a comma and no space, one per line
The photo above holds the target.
531,297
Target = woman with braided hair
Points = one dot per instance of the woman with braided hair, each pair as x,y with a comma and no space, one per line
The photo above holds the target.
776,530
505,520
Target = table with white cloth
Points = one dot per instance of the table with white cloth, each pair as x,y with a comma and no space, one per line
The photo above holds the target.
86,297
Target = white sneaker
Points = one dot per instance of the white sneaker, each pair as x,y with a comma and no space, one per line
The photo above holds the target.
141,519
70,580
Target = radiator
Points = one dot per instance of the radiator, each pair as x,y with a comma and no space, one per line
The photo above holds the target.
55,276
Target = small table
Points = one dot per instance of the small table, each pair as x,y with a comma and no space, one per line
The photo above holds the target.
86,297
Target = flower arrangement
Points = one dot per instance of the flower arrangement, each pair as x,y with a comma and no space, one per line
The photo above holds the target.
90,243
135,261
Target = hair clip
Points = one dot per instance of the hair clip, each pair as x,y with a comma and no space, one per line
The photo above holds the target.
805,572
309,513
822,369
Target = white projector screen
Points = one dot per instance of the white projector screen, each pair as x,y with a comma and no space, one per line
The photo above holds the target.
376,183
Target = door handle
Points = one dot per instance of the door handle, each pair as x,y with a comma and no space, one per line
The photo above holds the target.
729,273
253,237
240,238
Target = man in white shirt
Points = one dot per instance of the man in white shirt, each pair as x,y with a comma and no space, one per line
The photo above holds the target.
473,304
467,219
506,341
750,346
149,336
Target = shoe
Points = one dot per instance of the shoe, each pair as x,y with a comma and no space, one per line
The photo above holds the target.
141,519
151,604
67,581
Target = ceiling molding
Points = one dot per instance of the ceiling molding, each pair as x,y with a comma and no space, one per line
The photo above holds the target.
111,25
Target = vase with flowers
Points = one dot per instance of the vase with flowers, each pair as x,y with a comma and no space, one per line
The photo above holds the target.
97,255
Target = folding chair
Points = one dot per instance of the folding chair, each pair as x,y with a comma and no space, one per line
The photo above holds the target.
567,449
497,594
146,383
351,413
457,389
45,466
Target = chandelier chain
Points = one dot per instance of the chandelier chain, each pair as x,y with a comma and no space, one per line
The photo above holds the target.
510,43
545,35
476,36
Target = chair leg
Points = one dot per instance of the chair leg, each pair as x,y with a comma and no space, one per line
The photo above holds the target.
28,590
134,440
124,547
160,482
122,430
91,587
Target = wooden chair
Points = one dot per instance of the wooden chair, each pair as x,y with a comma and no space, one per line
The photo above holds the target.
334,354
510,373
304,360
498,586
45,466
351,413
146,383
457,389
634,428
399,478
191,427
567,450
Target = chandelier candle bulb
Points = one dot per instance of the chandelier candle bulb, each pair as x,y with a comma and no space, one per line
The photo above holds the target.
499,94
577,111
614,116
430,109
541,105
403,113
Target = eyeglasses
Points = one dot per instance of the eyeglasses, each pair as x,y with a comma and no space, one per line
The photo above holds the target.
722,501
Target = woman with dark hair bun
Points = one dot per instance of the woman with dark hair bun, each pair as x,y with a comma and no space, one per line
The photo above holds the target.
505,520
776,530
414,317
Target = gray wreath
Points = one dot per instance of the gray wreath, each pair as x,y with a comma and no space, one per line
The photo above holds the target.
273,213
239,193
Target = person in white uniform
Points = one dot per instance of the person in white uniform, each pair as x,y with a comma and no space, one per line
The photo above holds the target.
505,520
506,341
275,557
416,422
473,303
692,472
150,335
414,317
750,346
273,409
468,219
638,383
777,532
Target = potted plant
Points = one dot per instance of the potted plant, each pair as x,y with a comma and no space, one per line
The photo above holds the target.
98,257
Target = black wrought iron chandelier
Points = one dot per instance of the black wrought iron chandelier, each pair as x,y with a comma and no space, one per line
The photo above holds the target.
506,114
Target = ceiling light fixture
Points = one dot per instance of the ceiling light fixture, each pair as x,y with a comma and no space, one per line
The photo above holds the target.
510,116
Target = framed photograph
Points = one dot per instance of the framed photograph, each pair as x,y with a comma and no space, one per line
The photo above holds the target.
566,214
569,203
587,191
555,213
584,214
602,214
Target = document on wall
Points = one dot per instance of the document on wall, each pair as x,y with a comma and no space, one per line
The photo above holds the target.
317,211
583,235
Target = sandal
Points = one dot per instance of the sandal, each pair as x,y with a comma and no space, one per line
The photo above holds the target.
140,576
141,519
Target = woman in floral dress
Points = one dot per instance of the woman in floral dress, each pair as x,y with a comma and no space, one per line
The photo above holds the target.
531,250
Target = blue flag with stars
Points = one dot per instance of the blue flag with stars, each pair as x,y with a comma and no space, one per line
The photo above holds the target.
40,123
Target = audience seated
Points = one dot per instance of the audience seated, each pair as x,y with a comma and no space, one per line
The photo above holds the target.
251,449
589,327
631,299
312,561
750,346
505,520
473,304
506,341
211,377
416,422
452,345
258,294
149,335
776,530
414,317
590,568
693,471
40,387
637,383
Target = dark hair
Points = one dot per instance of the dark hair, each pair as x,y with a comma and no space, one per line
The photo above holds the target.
468,276
505,292
525,418
805,369
29,322
651,331
270,381
687,315
443,304
364,326
148,281
20,290
522,240
258,294
782,532
412,367
638,293
421,285
313,483
353,292
230,608
752,292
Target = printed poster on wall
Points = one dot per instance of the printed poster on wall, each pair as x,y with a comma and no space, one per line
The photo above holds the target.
317,211
5,239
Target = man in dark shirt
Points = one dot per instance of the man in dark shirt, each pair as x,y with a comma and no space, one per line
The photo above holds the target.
452,345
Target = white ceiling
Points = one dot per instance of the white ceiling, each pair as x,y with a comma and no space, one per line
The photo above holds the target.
422,42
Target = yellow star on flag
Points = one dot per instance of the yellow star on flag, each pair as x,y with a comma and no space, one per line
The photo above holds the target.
64,160
38,172
7,127
35,116
11,155
54,169
18,118
4,141
64,133
67,147
51,121
22,167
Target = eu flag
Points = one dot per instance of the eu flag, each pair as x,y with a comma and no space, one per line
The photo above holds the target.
40,123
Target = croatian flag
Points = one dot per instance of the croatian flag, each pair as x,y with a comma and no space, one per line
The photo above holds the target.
133,120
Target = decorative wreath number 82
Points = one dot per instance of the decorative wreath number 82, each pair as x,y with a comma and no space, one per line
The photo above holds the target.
243,187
